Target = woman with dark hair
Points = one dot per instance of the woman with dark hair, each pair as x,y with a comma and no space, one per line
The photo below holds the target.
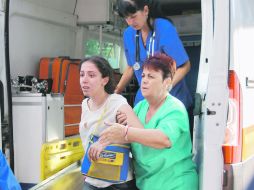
96,81
148,33
161,146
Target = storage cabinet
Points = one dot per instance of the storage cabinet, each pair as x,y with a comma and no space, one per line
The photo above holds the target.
36,119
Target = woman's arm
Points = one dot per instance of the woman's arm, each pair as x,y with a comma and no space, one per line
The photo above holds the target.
181,72
125,79
118,133
134,132
128,117
171,44
150,137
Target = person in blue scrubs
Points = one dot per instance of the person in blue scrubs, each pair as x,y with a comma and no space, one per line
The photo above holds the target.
7,179
149,33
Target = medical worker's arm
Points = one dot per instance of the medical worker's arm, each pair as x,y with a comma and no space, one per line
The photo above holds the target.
125,79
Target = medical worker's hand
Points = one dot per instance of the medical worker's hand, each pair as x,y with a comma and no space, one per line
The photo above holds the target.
114,134
121,118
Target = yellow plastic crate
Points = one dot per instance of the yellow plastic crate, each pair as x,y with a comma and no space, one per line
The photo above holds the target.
55,156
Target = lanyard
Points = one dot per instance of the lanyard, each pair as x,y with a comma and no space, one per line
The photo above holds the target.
151,43
99,122
150,50
137,47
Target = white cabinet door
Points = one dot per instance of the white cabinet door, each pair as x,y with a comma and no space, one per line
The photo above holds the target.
36,119
28,136
55,118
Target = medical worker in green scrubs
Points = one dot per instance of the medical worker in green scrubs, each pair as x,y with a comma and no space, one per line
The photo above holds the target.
162,146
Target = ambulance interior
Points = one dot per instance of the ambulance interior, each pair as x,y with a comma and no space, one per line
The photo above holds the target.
73,28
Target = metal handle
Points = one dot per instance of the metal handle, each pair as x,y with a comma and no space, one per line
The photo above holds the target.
249,83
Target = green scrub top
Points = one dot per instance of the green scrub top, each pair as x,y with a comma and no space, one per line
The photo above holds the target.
167,168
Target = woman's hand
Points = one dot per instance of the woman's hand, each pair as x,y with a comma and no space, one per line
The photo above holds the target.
95,150
121,118
113,135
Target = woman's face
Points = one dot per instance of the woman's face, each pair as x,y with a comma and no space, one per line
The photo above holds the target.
91,80
152,84
138,19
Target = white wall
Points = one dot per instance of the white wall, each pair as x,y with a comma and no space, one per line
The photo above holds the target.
93,11
37,31
66,6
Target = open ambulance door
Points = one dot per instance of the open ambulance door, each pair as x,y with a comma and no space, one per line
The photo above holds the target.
224,121
238,148
5,87
213,93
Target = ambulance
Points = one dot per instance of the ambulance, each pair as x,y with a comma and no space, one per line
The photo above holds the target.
218,36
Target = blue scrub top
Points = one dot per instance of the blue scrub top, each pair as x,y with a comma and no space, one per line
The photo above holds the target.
166,41
7,179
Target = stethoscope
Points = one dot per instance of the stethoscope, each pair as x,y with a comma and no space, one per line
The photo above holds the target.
149,52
